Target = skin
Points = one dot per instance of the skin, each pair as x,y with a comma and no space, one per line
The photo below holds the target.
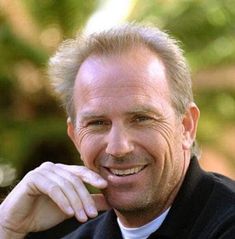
124,120
123,110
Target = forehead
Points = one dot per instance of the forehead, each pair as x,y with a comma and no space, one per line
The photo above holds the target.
133,66
135,73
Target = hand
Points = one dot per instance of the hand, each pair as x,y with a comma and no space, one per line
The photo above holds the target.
47,196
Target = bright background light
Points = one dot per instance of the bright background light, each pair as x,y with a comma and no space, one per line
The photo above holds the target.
110,12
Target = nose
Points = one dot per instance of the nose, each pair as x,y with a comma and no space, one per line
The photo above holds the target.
119,142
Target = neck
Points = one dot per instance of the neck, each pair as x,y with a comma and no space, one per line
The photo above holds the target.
139,217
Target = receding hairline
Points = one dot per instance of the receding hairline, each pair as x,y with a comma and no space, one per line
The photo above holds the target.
144,55
112,41
135,49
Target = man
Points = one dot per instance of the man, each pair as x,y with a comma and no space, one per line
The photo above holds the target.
132,118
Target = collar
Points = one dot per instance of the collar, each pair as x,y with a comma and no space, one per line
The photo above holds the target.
145,230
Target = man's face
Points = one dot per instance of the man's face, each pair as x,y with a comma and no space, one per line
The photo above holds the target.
127,131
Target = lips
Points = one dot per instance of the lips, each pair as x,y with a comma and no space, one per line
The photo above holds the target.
126,172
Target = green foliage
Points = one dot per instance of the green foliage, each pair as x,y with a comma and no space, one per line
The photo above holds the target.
206,28
33,126
218,113
69,15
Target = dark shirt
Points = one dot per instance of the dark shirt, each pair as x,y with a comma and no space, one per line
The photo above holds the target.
203,209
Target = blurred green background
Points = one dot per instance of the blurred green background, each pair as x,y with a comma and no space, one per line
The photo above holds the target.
32,122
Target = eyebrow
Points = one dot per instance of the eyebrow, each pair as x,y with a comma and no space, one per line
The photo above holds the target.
89,115
143,109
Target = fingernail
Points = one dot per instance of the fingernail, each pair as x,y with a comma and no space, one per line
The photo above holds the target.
82,216
102,181
92,211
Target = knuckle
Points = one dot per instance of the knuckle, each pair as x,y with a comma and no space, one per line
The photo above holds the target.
85,173
53,190
65,184
82,170
31,175
75,180
47,165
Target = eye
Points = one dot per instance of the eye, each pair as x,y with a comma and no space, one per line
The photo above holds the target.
98,123
142,118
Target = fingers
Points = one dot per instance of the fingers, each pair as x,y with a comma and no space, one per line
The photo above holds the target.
86,175
76,192
39,184
64,185
67,188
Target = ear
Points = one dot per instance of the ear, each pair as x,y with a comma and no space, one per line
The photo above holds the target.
71,132
189,122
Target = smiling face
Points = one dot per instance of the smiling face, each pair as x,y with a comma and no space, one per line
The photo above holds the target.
128,132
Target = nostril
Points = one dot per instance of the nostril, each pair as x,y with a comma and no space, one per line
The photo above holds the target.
119,150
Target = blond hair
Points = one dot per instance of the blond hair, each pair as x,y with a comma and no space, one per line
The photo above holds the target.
65,64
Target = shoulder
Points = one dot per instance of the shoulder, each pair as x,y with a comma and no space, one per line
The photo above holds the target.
223,189
205,205
220,200
219,210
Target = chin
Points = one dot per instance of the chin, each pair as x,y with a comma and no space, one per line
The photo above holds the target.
128,203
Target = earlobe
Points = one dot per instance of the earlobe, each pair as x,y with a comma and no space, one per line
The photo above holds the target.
190,121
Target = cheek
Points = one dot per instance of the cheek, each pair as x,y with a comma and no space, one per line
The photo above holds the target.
157,140
90,148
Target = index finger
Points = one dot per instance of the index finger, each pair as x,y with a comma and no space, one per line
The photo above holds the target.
86,175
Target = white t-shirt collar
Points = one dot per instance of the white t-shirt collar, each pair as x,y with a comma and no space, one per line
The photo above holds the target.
144,231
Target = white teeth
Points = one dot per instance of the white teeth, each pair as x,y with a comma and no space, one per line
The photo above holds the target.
130,171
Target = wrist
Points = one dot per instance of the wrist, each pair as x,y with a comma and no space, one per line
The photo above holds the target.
8,234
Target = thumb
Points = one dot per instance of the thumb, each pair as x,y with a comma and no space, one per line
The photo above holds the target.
100,202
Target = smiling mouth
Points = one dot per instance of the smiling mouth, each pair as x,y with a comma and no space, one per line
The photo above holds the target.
126,172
